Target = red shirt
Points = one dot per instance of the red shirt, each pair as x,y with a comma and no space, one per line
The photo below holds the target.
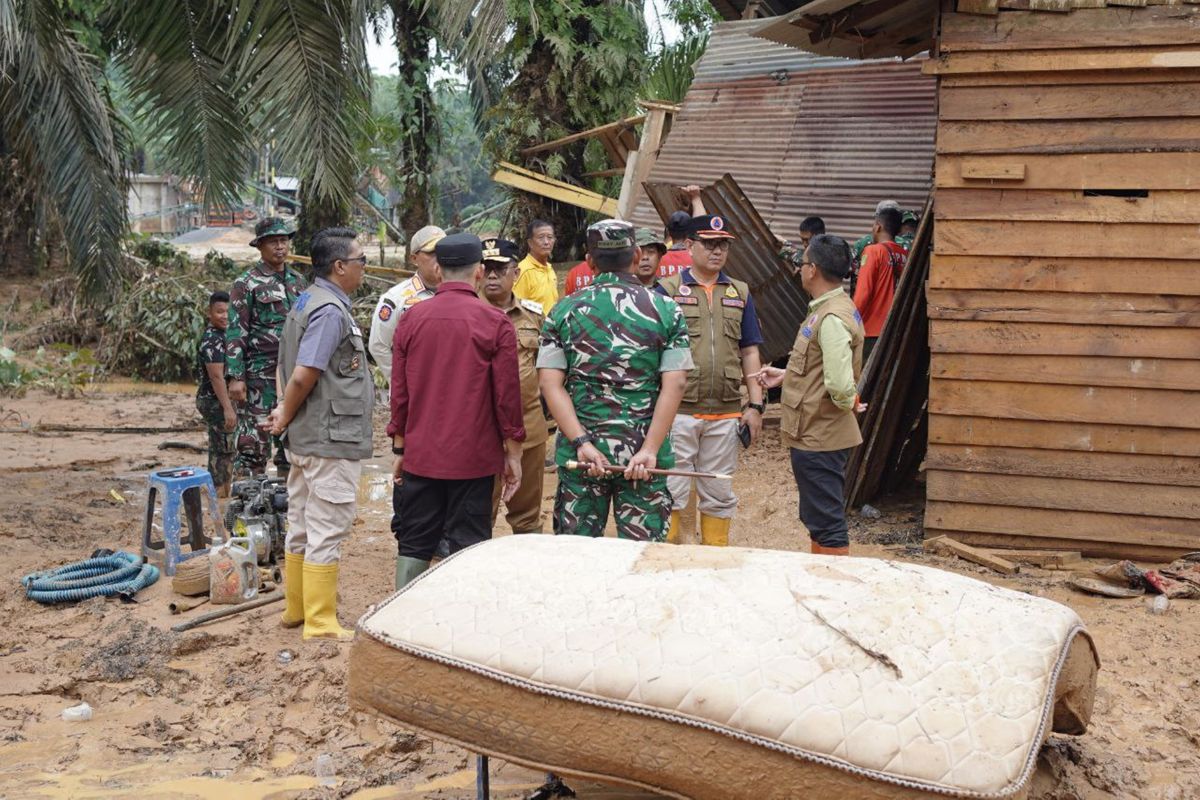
456,391
673,261
883,264
581,275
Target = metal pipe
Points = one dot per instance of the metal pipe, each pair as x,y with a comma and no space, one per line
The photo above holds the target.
227,612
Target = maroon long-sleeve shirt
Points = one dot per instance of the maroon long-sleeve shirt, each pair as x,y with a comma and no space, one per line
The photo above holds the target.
456,391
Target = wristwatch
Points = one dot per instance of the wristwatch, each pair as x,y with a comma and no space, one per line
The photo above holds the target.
582,440
397,451
759,407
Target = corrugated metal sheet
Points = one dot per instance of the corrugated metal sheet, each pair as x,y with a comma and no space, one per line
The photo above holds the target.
754,258
827,137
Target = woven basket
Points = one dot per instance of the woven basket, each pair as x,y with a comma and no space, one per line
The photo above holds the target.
191,577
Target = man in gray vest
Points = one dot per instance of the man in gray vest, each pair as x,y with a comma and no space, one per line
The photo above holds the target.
325,410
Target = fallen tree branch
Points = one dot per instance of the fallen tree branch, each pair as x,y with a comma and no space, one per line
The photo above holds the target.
195,448
53,427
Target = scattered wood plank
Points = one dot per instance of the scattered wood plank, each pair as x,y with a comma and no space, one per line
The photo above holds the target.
1046,559
944,545
544,186
76,465
54,427
1087,548
195,448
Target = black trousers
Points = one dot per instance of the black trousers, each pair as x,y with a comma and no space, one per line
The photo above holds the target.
429,508
821,479
868,346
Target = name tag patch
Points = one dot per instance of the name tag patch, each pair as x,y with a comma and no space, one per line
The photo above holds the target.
687,301
732,302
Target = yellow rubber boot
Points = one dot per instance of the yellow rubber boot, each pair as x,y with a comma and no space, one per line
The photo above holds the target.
293,591
320,603
714,531
673,530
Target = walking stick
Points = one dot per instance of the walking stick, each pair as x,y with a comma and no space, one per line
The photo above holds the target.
679,473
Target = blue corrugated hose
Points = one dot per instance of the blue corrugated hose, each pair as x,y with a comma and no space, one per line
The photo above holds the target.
105,576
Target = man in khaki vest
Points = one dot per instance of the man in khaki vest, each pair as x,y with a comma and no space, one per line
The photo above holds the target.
499,274
325,419
820,395
724,335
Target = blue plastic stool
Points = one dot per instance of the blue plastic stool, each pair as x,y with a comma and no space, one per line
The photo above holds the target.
180,490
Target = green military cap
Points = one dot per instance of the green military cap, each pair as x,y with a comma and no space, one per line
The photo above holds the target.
909,216
610,234
647,237
270,226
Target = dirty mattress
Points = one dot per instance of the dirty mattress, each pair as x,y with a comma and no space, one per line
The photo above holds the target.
728,672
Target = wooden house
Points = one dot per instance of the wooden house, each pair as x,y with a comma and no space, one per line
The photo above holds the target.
1064,287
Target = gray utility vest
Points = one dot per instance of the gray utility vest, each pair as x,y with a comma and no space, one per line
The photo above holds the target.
335,420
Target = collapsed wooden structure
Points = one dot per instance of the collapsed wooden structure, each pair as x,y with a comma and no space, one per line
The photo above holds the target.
1064,284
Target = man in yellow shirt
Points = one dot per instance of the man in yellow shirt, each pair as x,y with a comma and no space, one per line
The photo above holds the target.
537,281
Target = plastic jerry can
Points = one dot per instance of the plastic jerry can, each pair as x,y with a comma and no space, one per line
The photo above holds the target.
232,572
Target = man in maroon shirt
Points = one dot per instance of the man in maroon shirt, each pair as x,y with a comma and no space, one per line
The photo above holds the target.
457,418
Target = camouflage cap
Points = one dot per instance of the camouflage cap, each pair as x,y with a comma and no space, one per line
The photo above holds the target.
610,234
647,237
909,216
270,226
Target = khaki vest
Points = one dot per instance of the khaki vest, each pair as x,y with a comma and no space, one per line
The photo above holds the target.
810,419
335,419
714,385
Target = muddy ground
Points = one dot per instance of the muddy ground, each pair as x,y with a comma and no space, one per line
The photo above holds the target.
212,712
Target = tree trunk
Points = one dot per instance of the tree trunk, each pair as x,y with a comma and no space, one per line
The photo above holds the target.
316,213
417,114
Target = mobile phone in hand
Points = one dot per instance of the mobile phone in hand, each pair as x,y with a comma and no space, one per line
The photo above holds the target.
743,433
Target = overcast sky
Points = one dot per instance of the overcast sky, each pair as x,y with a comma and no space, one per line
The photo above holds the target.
382,57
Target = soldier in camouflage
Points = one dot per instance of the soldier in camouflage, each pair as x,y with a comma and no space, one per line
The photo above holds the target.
613,363
908,229
212,396
258,306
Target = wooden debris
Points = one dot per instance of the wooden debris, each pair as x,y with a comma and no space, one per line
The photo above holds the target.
195,448
1046,559
947,546
52,427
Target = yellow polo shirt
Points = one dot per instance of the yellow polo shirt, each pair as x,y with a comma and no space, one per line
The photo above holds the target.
537,282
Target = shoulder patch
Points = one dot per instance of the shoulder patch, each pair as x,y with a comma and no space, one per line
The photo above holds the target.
385,310
733,302
858,317
731,291
530,305
302,300
686,301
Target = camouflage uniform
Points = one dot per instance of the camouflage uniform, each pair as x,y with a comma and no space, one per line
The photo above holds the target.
258,305
612,339
221,443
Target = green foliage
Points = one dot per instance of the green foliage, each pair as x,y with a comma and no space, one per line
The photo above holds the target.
59,369
671,69
159,253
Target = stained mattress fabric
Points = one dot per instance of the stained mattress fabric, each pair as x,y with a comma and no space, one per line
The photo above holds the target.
700,668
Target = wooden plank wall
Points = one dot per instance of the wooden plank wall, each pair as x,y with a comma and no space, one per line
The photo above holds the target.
1065,324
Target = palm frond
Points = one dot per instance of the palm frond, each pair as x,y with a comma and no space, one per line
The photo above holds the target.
303,63
173,56
56,120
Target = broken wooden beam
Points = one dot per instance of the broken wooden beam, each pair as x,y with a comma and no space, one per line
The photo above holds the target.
1046,559
617,126
944,545
544,186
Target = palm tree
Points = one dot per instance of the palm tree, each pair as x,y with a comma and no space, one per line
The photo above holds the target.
210,77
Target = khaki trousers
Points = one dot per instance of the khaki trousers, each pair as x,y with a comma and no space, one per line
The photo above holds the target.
322,501
525,507
704,445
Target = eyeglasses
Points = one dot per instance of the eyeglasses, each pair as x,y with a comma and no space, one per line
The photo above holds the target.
721,246
362,259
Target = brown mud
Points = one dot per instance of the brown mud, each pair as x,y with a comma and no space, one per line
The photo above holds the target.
212,713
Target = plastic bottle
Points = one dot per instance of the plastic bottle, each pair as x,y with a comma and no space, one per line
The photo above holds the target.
324,770
1159,604
232,572
79,713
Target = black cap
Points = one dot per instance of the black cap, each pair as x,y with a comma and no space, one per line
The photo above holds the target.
610,234
499,250
709,226
459,250
678,221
